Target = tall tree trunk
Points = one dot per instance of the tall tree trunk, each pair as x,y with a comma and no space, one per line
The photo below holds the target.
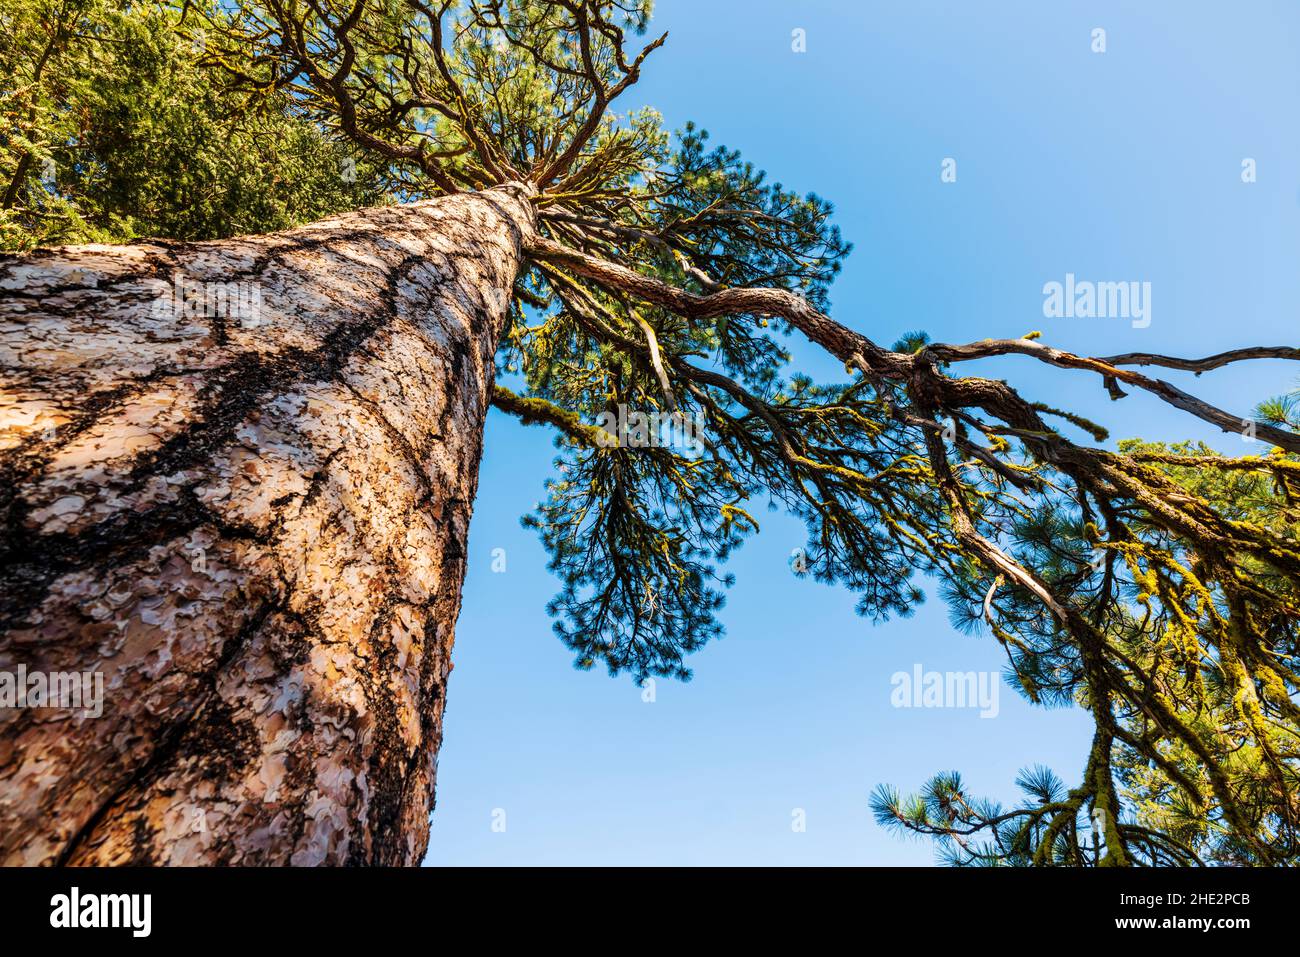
252,523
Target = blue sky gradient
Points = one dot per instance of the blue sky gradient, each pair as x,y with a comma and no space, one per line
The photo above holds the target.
1118,166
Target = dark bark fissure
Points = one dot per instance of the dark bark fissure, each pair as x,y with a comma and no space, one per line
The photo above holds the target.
236,391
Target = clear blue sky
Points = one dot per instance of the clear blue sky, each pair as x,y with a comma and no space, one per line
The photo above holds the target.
1117,166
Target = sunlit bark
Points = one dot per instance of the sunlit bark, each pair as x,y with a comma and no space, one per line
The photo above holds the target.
252,523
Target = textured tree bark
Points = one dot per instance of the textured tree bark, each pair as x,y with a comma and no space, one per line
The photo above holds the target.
252,522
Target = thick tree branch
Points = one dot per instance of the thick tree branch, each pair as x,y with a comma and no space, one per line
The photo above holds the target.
1158,387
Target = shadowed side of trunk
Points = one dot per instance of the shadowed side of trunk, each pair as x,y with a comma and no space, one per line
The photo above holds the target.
237,480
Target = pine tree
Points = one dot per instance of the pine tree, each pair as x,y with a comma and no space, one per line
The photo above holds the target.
115,131
253,520
1173,806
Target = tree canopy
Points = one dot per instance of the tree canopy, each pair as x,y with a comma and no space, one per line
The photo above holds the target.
114,131
1153,585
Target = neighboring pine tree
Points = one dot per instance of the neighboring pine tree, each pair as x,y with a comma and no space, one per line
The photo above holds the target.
254,521
113,130
1225,793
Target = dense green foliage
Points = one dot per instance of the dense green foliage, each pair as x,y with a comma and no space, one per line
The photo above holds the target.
113,129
